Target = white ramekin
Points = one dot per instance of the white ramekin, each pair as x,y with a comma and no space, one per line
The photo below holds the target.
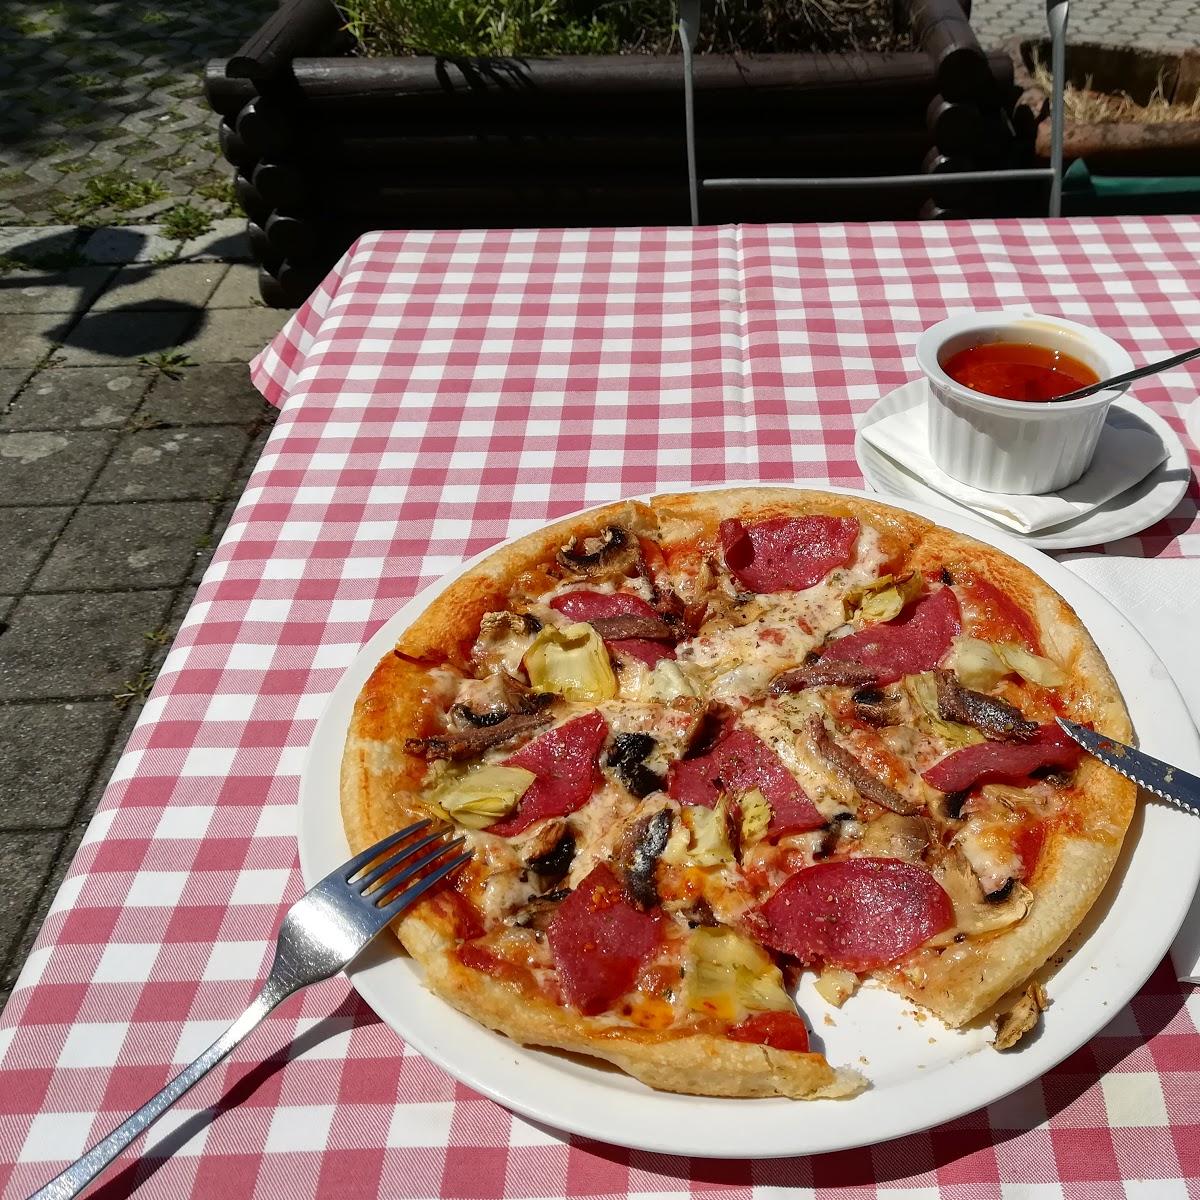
1011,445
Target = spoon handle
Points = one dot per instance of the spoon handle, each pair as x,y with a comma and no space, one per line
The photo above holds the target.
1153,368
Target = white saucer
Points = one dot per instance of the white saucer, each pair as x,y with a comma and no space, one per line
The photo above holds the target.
1133,510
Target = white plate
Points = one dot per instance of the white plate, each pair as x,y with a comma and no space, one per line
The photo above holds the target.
922,1074
1133,510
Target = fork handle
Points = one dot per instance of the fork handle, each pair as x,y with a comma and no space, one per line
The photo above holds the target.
80,1173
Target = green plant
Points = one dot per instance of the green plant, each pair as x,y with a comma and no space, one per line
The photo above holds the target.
171,363
113,190
137,689
529,28
186,221
220,191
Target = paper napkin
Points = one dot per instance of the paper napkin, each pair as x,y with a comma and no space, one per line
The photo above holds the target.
1127,452
1159,595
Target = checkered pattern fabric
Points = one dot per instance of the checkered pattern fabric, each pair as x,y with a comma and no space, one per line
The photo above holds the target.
439,392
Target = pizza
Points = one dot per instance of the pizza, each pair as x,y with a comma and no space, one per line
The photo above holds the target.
703,743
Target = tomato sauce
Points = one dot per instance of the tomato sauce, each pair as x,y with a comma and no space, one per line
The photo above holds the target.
1018,371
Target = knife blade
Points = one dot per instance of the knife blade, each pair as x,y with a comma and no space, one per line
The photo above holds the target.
1175,784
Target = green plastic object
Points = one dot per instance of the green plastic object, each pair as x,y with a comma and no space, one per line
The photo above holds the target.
1079,181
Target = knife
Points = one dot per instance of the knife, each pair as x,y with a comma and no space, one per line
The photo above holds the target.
1171,783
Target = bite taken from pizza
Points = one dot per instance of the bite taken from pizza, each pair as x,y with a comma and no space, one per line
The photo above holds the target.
701,744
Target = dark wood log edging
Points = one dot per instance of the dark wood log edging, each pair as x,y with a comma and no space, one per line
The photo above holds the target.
327,146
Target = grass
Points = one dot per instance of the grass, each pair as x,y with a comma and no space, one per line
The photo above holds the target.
532,28
186,221
1085,106
220,191
115,190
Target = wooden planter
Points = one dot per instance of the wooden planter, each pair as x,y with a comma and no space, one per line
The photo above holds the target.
327,145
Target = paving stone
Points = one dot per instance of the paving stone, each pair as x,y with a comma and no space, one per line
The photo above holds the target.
26,535
6,606
47,755
68,845
169,629
172,464
250,460
78,398
50,467
52,292
124,334
205,553
226,241
207,394
127,244
27,338
235,335
126,545
239,288
36,240
75,646
177,285
26,860
11,379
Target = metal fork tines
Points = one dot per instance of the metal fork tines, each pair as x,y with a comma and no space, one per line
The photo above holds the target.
324,931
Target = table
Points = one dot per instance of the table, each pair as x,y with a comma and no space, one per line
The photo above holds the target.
441,391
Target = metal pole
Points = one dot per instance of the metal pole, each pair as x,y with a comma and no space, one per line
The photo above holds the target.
917,182
1056,18
689,28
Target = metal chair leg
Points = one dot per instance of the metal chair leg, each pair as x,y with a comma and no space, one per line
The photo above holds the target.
1056,18
689,29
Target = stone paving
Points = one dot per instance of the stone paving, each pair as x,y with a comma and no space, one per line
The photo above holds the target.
101,112
1171,25
128,427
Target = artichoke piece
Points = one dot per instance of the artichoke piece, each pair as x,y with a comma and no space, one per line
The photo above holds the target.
756,816
667,682
836,985
980,664
482,795
729,976
572,663
708,830
884,599
923,689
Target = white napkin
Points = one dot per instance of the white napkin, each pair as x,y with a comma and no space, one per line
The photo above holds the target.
1126,453
1158,595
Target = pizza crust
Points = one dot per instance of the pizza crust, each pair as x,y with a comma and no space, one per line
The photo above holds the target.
380,784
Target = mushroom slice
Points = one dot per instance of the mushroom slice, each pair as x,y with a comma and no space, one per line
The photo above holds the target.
612,551
1013,1025
638,855
627,758
975,913
550,852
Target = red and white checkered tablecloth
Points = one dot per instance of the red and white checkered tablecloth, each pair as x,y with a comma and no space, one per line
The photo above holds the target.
439,392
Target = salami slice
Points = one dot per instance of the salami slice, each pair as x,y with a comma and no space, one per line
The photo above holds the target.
787,554
915,641
564,761
737,763
858,913
643,649
599,940
1003,762
780,1030
590,606
995,617
585,605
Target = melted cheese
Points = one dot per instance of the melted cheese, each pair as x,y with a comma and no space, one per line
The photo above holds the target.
782,724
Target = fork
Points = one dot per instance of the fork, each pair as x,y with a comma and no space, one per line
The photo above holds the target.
324,931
